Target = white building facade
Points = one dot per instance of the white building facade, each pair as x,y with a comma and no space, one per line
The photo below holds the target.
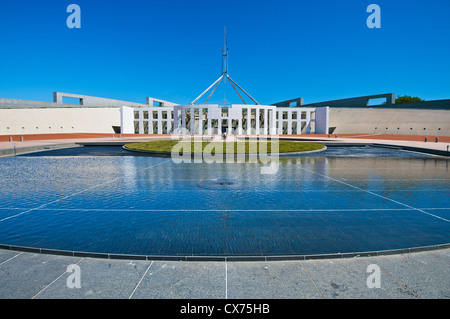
212,119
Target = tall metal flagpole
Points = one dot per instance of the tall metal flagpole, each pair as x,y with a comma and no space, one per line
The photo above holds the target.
224,65
225,55
224,76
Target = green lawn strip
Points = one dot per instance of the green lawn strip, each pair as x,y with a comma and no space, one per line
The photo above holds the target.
166,146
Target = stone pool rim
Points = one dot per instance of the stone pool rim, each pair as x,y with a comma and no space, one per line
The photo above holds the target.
228,258
225,155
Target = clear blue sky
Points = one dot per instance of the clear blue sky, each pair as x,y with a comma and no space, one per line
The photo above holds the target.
171,49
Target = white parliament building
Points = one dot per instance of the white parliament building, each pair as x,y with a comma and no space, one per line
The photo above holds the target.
213,119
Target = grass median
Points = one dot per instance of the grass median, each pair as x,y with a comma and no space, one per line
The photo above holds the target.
247,146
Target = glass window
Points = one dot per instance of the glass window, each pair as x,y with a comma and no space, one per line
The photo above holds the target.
294,127
224,112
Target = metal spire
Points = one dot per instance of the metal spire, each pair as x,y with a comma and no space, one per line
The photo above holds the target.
224,76
225,55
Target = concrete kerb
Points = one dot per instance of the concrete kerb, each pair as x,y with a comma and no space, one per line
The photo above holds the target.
362,143
35,148
414,149
237,258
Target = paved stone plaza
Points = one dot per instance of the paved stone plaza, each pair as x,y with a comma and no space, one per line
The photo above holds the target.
419,275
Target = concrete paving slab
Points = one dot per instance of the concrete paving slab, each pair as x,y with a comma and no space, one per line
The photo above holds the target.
179,280
426,275
410,275
5,255
443,254
27,274
99,278
269,280
347,279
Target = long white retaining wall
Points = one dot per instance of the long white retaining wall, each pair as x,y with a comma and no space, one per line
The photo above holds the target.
389,121
58,120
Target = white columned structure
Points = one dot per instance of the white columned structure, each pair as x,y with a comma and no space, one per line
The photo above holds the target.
266,121
159,121
289,126
249,121
308,122
210,117
257,132
169,122
273,124
233,118
209,129
191,120
200,120
240,124
183,120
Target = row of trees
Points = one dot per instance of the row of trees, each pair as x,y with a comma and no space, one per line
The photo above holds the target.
407,99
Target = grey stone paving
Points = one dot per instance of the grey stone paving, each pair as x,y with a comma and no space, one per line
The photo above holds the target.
404,276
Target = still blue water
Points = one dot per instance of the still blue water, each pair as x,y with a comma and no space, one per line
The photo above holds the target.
105,199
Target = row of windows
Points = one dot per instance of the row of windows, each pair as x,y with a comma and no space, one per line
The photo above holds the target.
37,127
155,114
284,116
151,127
294,116
409,128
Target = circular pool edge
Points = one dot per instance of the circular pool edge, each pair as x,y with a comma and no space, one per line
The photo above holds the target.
193,155
231,258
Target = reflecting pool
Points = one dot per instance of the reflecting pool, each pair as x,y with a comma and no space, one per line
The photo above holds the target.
105,199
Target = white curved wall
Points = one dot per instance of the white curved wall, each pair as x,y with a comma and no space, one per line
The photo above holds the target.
58,120
390,121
